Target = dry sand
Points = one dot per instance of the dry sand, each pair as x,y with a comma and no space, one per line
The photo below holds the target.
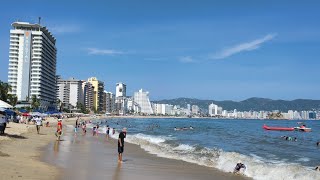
20,151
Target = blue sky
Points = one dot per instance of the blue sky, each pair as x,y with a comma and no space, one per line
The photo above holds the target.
222,50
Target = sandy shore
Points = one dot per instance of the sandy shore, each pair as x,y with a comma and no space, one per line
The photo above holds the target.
26,155
20,151
88,157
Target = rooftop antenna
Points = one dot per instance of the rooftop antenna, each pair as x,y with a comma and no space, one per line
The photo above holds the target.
39,20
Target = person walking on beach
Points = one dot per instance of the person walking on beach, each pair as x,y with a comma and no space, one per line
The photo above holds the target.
122,135
38,123
59,129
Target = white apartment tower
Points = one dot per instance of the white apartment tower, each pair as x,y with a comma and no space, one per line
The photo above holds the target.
32,63
70,91
142,99
121,90
121,101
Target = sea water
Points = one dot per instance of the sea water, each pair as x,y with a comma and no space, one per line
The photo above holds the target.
221,143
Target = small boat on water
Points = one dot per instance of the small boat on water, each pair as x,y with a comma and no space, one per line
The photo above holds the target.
278,128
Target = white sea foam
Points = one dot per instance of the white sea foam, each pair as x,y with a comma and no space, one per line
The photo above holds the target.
257,167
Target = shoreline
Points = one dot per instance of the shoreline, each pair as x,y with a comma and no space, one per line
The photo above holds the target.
100,161
21,150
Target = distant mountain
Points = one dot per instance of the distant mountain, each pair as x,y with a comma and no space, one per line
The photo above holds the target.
254,104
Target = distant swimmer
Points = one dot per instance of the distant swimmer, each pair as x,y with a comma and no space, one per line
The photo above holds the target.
317,168
288,138
318,143
191,128
238,167
177,129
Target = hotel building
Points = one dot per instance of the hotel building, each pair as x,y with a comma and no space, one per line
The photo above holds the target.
70,92
32,64
98,93
142,99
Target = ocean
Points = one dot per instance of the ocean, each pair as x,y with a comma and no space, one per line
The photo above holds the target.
221,143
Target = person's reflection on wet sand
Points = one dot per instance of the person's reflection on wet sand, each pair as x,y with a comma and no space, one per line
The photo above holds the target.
117,173
56,147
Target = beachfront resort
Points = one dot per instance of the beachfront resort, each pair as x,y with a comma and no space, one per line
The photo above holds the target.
190,90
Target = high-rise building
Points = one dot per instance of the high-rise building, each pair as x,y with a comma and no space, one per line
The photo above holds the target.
121,90
195,109
213,109
88,93
110,100
121,101
70,92
142,99
32,64
98,103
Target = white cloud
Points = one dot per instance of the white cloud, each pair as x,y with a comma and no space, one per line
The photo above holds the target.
96,51
186,59
248,46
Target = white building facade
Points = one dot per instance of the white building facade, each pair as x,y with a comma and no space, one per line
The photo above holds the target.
142,99
32,64
70,92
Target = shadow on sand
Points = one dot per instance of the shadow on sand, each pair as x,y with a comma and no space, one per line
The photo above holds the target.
14,136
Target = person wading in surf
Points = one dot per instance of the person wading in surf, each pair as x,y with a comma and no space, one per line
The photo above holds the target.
122,135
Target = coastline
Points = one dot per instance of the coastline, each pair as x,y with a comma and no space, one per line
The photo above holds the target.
100,161
21,149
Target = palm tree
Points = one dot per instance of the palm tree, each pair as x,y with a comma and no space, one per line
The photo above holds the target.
35,102
59,103
12,99
5,88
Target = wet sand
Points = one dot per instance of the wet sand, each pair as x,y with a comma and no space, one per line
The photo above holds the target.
21,148
88,157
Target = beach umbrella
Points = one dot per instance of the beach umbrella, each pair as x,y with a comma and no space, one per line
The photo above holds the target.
9,112
25,114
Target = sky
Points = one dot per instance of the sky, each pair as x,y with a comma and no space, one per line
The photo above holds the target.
220,50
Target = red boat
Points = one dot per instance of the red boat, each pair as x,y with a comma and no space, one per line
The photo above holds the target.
278,128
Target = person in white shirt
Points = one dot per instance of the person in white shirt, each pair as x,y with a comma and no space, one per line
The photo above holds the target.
38,123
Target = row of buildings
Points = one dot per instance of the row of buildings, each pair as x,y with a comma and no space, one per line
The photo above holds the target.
217,112
32,73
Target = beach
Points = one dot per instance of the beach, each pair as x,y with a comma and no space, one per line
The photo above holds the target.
21,148
88,157
20,153
26,155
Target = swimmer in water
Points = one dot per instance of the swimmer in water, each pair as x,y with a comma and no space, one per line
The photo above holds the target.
238,167
191,127
318,143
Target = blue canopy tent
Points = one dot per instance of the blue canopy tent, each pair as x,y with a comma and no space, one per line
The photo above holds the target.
23,111
10,112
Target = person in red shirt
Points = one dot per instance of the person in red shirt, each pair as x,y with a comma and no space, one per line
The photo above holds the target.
59,129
